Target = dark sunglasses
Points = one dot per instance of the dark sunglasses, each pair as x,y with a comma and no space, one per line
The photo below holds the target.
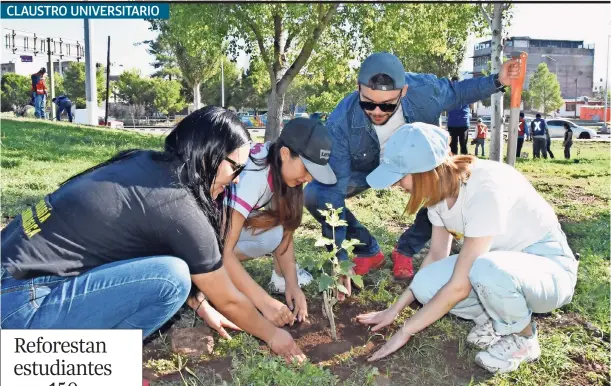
236,167
384,107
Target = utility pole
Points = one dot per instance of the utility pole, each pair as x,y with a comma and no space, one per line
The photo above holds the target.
575,98
91,89
107,82
51,78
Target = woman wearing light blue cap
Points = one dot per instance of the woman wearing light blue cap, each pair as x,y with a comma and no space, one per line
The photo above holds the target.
514,259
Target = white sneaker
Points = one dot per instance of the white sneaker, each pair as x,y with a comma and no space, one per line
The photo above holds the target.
278,285
507,354
483,335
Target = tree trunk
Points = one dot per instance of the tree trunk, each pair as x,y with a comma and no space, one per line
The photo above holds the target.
275,105
197,100
496,142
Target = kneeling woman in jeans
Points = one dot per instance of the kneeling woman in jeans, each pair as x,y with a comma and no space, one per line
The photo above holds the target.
514,261
266,210
119,245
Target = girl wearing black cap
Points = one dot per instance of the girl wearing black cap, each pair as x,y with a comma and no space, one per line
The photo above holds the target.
267,207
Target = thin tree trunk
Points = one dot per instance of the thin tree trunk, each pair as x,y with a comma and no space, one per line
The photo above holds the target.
275,105
328,308
496,145
197,100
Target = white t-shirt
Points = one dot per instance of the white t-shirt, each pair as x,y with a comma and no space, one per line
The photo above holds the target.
385,131
254,189
497,201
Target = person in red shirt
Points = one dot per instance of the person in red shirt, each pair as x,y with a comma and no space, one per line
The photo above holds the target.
481,133
39,92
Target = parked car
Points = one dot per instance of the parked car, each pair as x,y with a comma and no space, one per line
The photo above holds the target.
556,129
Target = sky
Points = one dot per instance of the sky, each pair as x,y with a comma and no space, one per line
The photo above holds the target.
588,22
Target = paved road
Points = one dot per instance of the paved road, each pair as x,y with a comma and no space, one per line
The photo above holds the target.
164,130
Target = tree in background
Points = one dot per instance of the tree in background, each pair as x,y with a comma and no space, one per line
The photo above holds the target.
211,90
545,90
74,83
194,34
497,16
286,41
136,92
166,96
16,91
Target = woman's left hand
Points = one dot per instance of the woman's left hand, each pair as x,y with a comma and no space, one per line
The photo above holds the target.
296,300
211,316
398,340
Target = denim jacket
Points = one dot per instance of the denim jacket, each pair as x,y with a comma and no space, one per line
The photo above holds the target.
355,151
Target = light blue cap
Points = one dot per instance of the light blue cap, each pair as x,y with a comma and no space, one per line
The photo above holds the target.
413,148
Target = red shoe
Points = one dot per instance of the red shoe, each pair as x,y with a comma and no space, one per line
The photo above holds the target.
365,264
403,267
145,382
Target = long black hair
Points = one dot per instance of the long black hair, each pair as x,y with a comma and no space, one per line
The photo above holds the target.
201,141
286,207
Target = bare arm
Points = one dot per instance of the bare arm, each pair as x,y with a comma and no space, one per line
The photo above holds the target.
455,290
238,274
218,287
441,242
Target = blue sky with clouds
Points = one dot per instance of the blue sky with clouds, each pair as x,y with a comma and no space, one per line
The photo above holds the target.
588,22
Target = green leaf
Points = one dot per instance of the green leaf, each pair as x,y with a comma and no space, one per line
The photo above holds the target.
325,282
345,267
323,241
341,288
358,280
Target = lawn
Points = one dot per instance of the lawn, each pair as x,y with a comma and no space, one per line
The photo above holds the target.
37,156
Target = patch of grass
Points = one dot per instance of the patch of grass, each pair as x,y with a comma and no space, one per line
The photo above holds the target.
37,156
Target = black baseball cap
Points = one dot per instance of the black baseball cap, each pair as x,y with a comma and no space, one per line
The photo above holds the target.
382,63
310,139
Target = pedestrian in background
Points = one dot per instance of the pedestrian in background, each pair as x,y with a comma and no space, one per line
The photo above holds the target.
538,128
458,126
481,133
568,140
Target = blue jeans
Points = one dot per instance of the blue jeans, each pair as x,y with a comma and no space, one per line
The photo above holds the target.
411,241
39,105
61,109
141,293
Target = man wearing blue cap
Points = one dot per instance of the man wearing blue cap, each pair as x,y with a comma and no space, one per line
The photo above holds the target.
387,98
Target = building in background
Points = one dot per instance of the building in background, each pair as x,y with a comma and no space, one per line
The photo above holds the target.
60,67
570,60
7,67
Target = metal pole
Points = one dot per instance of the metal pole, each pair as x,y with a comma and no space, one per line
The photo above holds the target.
107,82
51,78
222,83
91,89
575,98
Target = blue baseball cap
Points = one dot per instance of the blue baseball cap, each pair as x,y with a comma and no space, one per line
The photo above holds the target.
413,148
382,63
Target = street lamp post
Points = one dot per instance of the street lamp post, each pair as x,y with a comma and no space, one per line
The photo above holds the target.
575,98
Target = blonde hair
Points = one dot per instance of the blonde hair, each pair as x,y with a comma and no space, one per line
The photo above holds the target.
434,186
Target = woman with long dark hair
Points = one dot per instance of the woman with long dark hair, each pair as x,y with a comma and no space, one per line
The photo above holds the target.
120,244
266,210
514,260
